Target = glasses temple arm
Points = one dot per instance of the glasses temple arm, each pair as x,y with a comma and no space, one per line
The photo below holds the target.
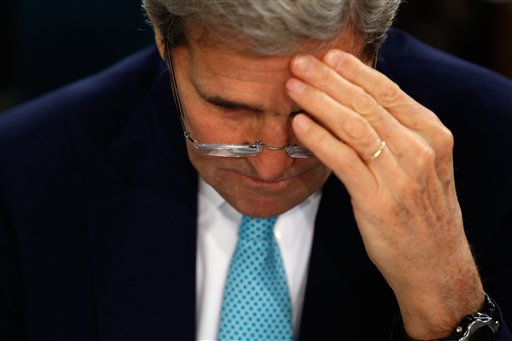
174,88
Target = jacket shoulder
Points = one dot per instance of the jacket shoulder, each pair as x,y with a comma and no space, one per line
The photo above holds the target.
436,78
73,127
113,92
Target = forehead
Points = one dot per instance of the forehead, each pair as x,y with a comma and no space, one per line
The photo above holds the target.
215,54
199,36
223,62
234,73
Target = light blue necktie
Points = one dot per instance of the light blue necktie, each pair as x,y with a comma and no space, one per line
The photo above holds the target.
256,302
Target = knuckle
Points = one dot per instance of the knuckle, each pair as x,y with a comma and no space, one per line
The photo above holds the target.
363,103
419,112
427,154
425,158
326,78
444,149
318,97
321,74
351,67
357,128
387,92
447,139
429,114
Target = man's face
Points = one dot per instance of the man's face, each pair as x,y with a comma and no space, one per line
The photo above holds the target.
232,97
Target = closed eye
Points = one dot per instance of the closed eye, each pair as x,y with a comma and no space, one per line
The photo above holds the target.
232,106
225,104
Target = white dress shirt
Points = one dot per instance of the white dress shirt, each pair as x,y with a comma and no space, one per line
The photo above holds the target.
218,224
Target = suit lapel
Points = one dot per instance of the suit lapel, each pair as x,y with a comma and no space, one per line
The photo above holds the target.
142,199
143,264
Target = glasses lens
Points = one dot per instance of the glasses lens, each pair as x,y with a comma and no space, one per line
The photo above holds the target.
244,150
228,150
299,152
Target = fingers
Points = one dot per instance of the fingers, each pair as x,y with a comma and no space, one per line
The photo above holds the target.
342,122
355,114
388,95
328,80
336,155
404,200
318,93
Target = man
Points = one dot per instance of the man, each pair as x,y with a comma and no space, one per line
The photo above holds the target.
108,233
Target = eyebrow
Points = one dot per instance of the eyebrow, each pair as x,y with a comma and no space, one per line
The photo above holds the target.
225,103
232,105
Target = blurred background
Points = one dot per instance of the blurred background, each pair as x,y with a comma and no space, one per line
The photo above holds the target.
44,45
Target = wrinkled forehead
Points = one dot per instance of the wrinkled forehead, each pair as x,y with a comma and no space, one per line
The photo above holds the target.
235,74
200,37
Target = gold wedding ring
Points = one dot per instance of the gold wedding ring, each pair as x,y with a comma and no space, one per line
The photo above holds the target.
379,151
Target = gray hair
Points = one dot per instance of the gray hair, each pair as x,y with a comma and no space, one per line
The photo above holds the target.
274,27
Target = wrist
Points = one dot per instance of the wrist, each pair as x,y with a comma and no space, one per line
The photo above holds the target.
433,312
481,325
437,319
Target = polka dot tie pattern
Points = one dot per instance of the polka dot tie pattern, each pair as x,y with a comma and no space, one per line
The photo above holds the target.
256,302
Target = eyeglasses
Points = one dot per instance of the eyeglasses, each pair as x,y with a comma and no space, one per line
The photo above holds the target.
227,150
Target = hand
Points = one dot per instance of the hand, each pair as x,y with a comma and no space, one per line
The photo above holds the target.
404,200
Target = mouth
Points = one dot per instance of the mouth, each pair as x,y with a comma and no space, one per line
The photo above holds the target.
280,184
271,184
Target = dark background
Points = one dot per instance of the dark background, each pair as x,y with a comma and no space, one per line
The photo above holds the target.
44,45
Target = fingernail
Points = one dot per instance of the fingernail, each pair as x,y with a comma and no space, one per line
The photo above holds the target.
295,85
302,122
302,63
333,58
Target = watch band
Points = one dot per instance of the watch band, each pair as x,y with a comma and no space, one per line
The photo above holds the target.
480,326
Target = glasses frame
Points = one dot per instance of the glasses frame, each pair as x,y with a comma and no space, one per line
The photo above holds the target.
222,149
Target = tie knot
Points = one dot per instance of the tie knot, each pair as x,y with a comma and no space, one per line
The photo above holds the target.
257,228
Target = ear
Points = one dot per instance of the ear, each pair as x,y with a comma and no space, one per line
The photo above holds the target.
159,39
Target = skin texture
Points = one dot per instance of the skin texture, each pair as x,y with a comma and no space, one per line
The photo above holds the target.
404,201
267,184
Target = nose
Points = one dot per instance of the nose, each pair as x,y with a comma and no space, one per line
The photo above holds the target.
271,164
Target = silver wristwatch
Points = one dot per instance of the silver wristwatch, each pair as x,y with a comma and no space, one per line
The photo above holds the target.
483,325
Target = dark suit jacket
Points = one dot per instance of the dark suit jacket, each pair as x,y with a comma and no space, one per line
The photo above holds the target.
98,207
